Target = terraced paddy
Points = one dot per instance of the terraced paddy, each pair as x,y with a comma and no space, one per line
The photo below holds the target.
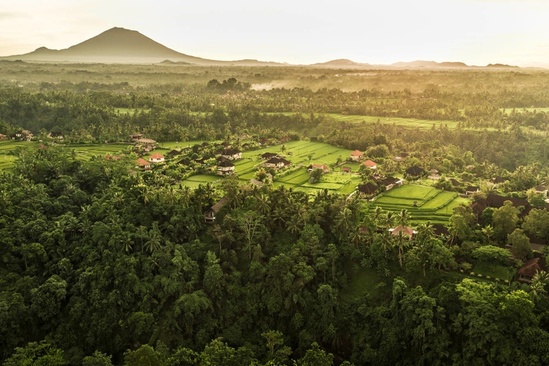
422,203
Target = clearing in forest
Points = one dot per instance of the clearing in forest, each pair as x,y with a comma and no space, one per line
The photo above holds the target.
422,203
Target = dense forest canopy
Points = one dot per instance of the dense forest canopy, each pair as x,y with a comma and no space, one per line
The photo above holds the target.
103,263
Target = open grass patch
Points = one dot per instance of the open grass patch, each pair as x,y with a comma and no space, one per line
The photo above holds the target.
440,200
195,181
412,192
494,270
365,281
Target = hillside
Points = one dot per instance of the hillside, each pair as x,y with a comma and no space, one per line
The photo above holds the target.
119,45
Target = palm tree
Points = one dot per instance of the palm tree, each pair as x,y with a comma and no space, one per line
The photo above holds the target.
539,284
403,217
154,239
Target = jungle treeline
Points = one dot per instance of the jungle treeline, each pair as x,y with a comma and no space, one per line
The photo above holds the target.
103,266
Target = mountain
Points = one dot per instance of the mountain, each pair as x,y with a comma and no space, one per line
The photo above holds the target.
119,45
428,64
499,66
341,63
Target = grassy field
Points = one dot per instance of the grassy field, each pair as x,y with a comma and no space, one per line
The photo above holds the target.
494,271
422,203
196,180
86,152
407,122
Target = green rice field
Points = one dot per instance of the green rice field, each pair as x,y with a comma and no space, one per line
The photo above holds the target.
422,203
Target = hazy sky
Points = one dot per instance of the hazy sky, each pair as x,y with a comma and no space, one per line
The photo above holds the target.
476,32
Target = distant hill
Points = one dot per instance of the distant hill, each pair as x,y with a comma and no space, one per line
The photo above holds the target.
428,64
119,45
499,66
341,63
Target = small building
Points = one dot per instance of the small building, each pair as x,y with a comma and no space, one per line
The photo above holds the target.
209,215
156,158
136,136
346,169
370,164
146,145
471,190
276,163
225,168
357,155
143,164
24,135
324,168
403,230
529,270
231,154
269,155
3,137
415,172
368,189
390,183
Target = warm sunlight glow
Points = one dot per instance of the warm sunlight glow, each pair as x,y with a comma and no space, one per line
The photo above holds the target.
476,32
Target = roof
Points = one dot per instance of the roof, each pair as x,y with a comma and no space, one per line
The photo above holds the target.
369,164
231,151
415,170
530,268
390,180
357,153
405,230
146,141
268,155
156,156
219,205
142,162
225,164
368,188
277,160
318,166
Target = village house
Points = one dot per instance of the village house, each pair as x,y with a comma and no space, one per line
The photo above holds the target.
143,164
390,182
357,155
156,158
276,163
471,190
324,168
231,154
370,164
403,230
368,189
209,215
24,135
145,145
225,168
529,269
434,174
269,155
414,172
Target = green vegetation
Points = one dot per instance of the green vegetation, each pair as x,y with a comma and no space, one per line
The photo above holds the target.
104,262
422,203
